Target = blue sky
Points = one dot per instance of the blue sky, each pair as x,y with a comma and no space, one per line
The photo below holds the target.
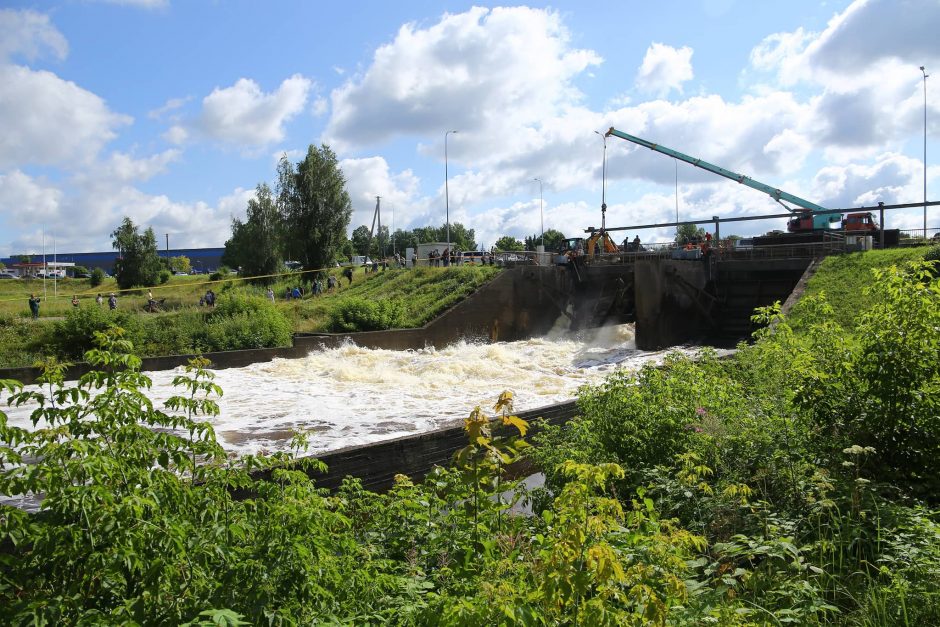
171,112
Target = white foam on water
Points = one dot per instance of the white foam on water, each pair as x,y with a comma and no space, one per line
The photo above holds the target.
352,395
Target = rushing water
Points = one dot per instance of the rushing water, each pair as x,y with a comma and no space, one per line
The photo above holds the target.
352,395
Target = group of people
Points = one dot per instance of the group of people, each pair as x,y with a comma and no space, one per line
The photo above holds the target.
99,299
438,259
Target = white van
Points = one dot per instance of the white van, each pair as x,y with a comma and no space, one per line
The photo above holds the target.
471,258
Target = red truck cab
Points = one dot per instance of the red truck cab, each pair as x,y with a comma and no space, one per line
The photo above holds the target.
860,222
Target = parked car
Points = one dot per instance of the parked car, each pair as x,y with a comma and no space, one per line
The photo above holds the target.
8,275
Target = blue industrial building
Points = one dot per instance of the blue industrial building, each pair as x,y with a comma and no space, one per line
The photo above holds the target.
200,259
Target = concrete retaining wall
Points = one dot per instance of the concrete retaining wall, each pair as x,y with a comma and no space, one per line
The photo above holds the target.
415,455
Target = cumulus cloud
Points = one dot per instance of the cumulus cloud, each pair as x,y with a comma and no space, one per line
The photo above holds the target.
26,200
664,68
246,116
486,71
865,63
47,120
370,177
29,34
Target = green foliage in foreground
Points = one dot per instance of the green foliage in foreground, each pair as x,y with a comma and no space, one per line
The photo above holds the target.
810,463
794,483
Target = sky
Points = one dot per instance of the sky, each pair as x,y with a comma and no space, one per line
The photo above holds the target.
171,112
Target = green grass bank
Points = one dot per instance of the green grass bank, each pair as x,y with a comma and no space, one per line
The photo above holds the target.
243,318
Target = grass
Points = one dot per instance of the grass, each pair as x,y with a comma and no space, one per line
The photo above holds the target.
844,278
56,299
424,294
419,295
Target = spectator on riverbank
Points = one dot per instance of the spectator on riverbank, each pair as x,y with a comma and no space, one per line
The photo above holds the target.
270,294
34,306
112,301
348,273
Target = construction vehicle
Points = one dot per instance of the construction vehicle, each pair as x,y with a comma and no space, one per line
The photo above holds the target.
808,218
598,242
860,222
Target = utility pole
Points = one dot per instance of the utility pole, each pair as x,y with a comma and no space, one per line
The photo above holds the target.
924,71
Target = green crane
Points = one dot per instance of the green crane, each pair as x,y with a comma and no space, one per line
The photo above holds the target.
806,218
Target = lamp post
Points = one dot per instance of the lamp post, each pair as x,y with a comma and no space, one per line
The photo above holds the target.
924,71
541,215
447,190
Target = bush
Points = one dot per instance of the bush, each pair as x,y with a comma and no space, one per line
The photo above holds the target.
76,333
933,256
359,314
97,277
164,276
242,320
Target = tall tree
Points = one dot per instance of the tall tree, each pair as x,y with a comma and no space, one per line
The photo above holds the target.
553,240
689,233
256,244
508,242
138,262
314,207
360,240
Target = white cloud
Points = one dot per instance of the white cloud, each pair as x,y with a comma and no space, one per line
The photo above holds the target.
664,68
27,201
176,134
488,72
29,33
371,177
866,64
47,120
244,115
170,105
125,168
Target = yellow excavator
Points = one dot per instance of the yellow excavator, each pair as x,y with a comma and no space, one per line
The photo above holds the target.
600,240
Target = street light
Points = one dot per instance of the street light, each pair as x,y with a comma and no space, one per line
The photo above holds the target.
925,148
541,216
446,190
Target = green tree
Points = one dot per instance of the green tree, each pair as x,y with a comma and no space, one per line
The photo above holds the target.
97,277
553,240
179,264
381,243
138,262
405,239
314,207
508,242
360,239
256,244
689,232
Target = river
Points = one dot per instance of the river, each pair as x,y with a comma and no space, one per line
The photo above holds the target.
352,395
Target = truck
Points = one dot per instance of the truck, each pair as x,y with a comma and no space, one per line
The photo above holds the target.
808,217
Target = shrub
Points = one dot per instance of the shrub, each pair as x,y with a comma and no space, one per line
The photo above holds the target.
97,277
164,276
933,256
359,314
76,333
242,320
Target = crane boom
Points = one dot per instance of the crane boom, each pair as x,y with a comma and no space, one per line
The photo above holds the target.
782,197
